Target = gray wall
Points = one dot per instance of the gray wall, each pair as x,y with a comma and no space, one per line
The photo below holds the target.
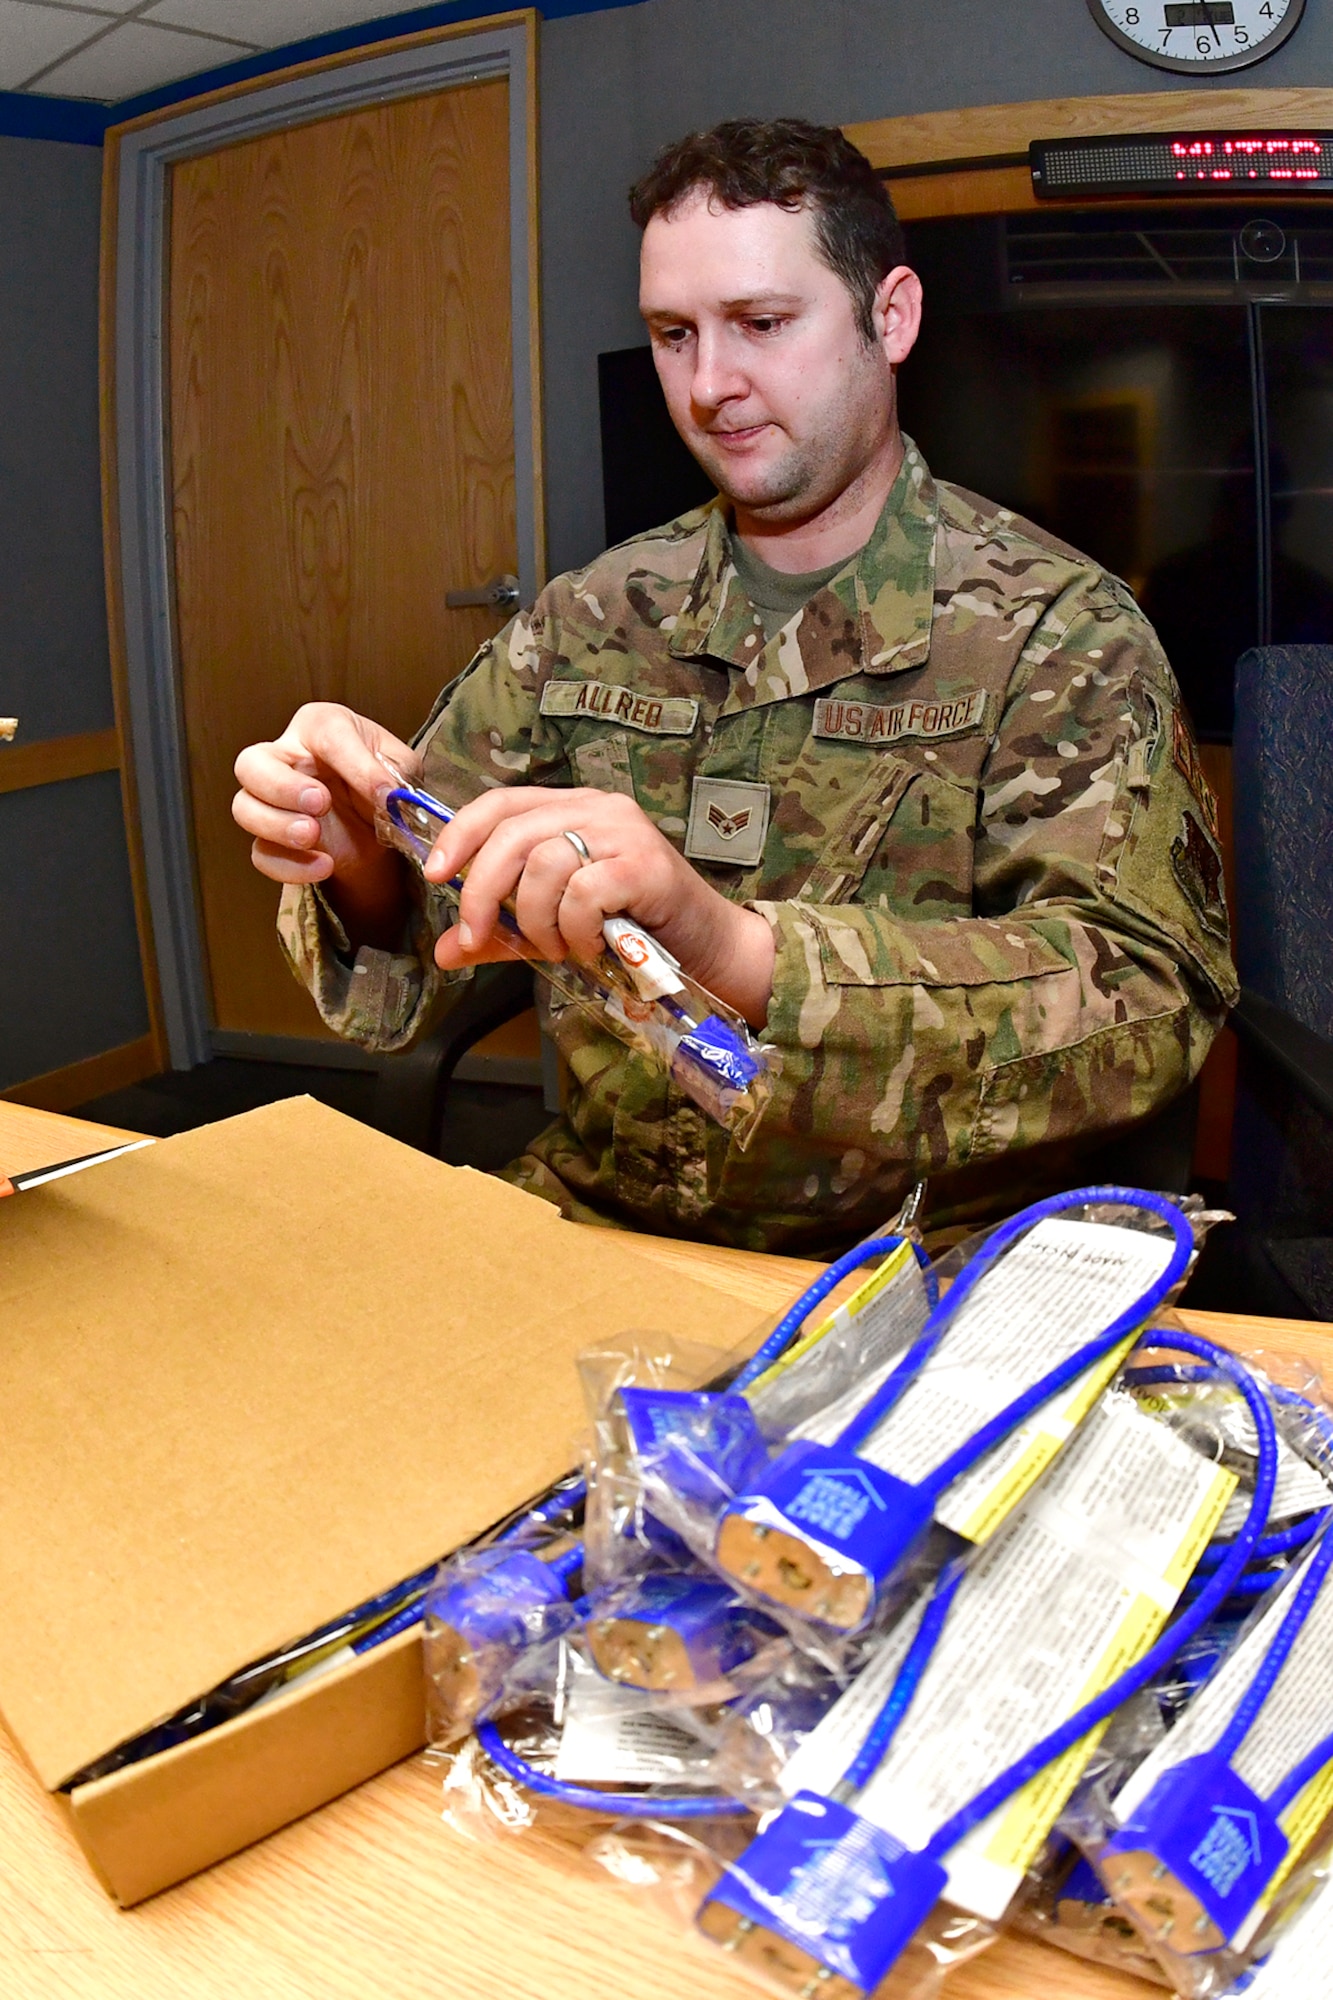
617,86
70,982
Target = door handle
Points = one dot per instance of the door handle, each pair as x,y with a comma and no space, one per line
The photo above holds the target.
500,594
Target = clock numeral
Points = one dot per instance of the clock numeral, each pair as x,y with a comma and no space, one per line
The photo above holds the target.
1266,11
1131,17
1240,36
1166,36
1202,44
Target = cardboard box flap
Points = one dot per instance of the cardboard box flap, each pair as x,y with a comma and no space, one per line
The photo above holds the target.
257,1373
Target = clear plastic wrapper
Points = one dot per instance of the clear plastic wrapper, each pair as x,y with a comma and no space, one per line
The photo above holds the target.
1198,1846
579,1749
634,988
494,1618
1293,1954
852,1820
938,1435
623,1535
666,1459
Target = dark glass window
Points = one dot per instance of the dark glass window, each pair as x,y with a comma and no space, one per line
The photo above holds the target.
1297,354
1126,431
648,476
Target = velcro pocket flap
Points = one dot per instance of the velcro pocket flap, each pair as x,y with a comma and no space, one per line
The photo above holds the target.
856,949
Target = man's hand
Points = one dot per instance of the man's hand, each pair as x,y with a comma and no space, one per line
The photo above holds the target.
511,843
309,800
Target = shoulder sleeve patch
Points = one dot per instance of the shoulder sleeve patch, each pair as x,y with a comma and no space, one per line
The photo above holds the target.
1185,756
1197,866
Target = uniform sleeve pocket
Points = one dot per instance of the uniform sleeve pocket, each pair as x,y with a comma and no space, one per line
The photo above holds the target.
858,947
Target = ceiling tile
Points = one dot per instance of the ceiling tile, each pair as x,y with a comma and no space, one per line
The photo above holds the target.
31,37
133,57
270,22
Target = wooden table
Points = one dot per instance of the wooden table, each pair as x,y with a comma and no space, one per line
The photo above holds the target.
372,1898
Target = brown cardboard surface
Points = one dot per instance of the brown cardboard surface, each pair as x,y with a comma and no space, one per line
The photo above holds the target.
257,1373
154,1823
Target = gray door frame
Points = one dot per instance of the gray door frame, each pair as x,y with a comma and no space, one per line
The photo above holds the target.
142,470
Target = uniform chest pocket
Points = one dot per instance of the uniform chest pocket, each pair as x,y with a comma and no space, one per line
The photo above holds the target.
904,829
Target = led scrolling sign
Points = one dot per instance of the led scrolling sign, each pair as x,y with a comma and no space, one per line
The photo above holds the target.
1183,163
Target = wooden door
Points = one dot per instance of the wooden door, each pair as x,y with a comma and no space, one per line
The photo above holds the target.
341,454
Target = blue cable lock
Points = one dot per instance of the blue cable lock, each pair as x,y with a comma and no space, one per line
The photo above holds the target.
824,1532
704,1447
635,989
1198,1852
825,1899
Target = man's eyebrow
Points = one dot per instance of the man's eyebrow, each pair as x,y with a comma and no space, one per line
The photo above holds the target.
757,303
761,302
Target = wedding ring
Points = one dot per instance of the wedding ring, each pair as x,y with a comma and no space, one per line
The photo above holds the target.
579,846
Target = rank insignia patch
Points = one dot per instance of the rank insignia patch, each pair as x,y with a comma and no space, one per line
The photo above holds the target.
728,825
728,821
1198,869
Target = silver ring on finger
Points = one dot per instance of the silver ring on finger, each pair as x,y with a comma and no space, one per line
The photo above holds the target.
579,845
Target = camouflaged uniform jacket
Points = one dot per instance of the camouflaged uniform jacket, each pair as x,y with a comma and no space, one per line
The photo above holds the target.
958,786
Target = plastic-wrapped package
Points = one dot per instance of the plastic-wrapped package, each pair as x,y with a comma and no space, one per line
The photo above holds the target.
634,988
491,1617
1198,1843
955,1430
666,1459
1294,1951
1066,1904
1066,1901
654,1429
885,1816
575,1740
683,1636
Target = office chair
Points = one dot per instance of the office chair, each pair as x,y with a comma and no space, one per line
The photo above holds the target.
1282,1151
413,1086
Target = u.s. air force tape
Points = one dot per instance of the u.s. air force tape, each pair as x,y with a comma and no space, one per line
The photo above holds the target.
885,722
656,714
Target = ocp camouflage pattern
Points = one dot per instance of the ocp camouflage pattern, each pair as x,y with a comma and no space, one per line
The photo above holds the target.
990,951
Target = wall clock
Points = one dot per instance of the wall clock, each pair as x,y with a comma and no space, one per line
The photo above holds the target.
1197,37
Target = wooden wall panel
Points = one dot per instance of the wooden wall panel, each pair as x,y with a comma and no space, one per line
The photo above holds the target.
341,409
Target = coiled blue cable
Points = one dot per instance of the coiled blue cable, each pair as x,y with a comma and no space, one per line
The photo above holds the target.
789,1326
868,1419
621,1805
1261,1686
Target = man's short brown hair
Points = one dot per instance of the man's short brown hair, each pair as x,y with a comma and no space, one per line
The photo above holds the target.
794,165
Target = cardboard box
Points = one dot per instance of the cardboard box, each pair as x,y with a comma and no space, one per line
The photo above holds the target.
250,1377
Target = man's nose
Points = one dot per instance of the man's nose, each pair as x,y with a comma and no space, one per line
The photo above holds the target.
718,378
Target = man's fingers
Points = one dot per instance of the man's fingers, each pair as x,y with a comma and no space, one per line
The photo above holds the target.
267,771
479,822
540,897
271,825
364,756
592,895
451,954
280,864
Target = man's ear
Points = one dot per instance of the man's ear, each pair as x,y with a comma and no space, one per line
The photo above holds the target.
896,312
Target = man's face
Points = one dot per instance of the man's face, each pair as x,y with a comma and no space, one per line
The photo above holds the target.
766,374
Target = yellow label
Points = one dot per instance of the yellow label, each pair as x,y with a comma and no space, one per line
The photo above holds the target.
1022,1476
1201,1530
1030,1815
1301,1822
850,1308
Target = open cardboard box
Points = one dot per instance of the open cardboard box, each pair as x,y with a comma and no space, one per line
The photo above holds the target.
250,1377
